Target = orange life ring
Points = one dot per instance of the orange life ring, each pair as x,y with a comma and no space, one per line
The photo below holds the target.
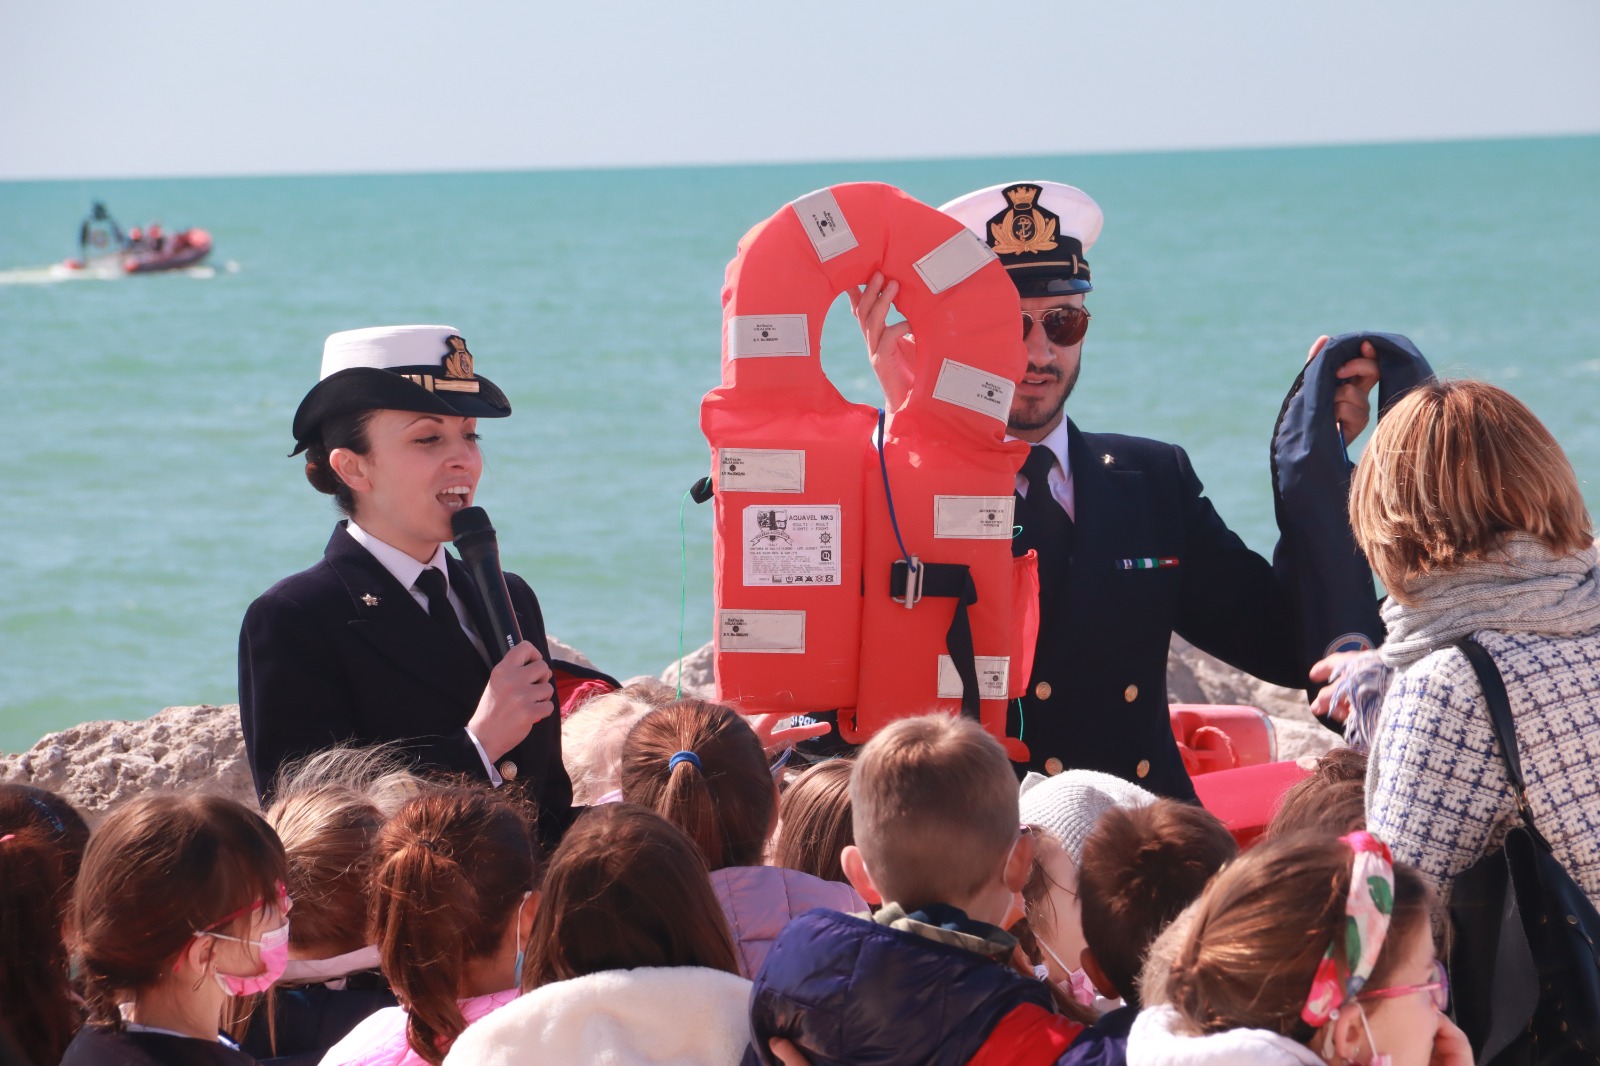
811,552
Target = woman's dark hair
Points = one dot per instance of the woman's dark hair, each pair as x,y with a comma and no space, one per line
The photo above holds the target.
339,431
626,888
814,821
1261,926
42,839
157,870
727,803
452,867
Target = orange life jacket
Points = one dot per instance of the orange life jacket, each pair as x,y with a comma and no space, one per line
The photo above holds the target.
813,556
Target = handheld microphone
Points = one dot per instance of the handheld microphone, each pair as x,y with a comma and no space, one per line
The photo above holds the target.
480,554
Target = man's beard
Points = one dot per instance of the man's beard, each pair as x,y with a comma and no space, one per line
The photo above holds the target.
1016,422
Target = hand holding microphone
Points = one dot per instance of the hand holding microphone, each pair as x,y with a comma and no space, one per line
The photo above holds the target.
519,694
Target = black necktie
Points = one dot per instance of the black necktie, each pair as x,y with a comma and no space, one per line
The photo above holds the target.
433,585
1046,527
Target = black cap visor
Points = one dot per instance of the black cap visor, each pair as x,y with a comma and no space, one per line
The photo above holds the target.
365,388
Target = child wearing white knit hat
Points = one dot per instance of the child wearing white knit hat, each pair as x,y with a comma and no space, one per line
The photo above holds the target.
1065,808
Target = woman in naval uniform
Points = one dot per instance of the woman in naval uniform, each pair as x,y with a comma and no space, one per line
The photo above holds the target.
378,642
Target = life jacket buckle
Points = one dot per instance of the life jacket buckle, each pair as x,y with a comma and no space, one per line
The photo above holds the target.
915,572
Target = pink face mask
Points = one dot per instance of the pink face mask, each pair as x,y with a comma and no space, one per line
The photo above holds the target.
274,949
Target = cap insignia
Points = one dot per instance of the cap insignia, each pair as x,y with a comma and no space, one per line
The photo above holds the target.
457,361
1024,226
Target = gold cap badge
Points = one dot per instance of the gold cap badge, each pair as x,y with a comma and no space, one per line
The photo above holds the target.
1024,226
457,361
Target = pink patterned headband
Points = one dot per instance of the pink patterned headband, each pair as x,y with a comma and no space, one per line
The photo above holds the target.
1366,922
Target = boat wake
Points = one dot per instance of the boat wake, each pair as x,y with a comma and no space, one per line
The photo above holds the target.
59,272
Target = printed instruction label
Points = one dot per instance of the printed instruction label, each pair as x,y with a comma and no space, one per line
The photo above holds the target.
761,470
824,223
994,673
759,335
954,261
973,517
976,390
791,545
773,632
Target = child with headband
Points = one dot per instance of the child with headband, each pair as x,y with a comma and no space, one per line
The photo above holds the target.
1306,950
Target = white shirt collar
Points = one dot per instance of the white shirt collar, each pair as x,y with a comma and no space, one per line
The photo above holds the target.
405,569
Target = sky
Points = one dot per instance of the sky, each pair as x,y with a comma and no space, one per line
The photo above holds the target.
108,88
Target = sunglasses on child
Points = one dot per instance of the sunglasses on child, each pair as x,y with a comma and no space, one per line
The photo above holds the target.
1438,989
1063,326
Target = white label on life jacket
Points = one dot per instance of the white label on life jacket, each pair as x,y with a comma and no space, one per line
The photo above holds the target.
767,335
954,261
973,517
761,470
976,390
824,223
794,545
994,672
774,632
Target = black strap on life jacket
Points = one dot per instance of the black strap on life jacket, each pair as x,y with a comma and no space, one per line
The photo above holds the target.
945,580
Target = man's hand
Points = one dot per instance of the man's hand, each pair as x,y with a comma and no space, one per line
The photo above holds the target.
1352,407
1328,670
890,348
519,696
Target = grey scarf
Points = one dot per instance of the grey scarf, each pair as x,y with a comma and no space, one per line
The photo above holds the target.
1528,590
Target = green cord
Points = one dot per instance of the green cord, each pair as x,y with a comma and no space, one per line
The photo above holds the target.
1022,723
683,585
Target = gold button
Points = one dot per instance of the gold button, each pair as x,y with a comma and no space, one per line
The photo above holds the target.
508,770
1052,766
1042,690
1130,693
1143,769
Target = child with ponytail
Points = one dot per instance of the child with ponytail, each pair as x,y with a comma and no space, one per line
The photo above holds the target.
701,766
1308,949
42,839
454,895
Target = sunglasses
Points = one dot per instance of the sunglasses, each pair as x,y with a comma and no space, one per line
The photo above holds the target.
1063,326
1438,989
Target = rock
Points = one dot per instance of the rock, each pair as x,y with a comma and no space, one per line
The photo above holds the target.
697,677
567,653
101,764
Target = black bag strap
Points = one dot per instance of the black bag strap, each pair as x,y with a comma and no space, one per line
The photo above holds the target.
1494,693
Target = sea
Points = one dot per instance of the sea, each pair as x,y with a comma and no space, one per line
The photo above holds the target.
148,495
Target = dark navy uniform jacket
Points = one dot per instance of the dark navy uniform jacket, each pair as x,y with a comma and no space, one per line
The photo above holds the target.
1097,698
342,653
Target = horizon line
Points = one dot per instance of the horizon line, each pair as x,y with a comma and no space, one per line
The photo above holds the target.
843,161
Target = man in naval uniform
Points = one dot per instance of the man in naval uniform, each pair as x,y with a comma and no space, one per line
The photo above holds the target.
1130,550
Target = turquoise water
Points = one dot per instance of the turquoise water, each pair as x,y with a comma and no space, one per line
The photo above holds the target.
148,498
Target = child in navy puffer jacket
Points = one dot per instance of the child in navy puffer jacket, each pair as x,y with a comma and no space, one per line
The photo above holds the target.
925,979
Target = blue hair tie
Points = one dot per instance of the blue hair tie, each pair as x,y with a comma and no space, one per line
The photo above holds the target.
684,756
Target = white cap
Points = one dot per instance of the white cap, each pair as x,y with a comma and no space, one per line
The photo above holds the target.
1068,805
1041,231
386,347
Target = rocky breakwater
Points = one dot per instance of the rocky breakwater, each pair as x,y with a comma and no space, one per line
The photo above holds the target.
98,765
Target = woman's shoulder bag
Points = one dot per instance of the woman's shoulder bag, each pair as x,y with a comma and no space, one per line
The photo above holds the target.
1524,962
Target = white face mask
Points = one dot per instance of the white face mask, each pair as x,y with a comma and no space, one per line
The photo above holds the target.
309,971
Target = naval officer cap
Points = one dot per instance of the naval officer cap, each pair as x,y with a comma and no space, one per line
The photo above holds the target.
1040,230
397,368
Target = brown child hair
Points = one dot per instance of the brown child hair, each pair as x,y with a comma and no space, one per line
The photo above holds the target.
935,807
626,888
815,822
157,869
42,840
1257,933
721,793
452,867
1141,866
1333,799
